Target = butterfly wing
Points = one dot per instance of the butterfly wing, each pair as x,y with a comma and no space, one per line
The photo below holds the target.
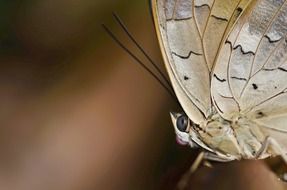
190,33
251,69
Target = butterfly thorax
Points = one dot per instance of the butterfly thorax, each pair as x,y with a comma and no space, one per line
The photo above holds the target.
236,139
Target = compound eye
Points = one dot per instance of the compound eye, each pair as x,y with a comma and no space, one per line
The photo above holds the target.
182,123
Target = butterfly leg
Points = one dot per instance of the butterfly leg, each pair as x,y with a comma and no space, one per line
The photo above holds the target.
216,158
277,148
264,147
206,163
195,165
202,157
197,162
273,144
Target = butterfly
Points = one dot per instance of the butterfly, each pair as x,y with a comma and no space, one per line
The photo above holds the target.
227,62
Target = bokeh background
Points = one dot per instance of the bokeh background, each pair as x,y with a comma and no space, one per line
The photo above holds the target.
78,113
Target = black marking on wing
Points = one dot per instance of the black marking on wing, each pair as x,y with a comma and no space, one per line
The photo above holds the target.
220,80
243,52
203,5
282,69
279,68
219,18
239,78
228,42
239,9
270,40
260,114
227,97
217,106
186,78
255,87
179,19
265,69
186,56
199,130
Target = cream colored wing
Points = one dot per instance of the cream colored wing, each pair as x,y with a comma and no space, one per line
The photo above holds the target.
251,70
190,33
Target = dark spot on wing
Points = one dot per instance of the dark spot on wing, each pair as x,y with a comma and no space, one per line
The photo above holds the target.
254,86
186,78
239,9
260,114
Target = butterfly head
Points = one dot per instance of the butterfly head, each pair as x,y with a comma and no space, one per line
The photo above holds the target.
182,125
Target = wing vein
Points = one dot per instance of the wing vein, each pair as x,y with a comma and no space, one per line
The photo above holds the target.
255,53
271,128
201,37
268,99
174,9
228,77
269,56
229,61
222,38
267,28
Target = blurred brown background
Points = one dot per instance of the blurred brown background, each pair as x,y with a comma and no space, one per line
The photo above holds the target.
77,113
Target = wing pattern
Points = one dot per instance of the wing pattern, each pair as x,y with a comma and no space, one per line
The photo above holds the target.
252,68
191,32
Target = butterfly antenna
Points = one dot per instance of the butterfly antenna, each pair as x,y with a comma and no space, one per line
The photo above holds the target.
171,93
124,27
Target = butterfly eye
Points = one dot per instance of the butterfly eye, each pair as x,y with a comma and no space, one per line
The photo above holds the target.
182,123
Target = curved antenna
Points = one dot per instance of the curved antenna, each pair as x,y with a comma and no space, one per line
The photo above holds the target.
123,26
170,92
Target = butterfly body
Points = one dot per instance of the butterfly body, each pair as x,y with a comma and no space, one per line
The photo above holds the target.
227,62
228,140
236,139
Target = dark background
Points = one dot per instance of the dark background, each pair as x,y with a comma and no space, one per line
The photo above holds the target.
77,113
